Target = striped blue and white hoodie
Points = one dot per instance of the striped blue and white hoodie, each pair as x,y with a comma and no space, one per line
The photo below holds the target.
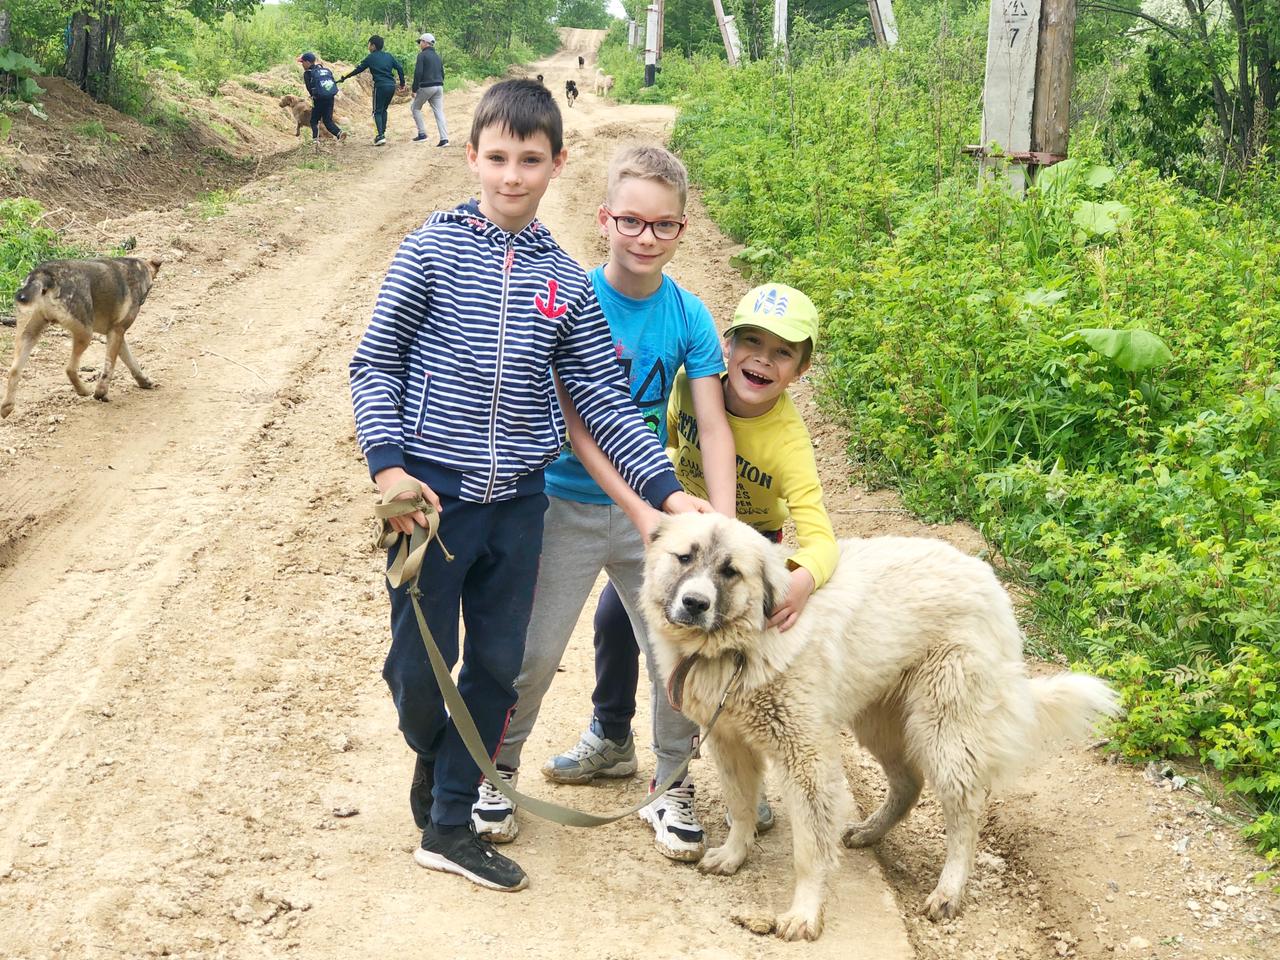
452,379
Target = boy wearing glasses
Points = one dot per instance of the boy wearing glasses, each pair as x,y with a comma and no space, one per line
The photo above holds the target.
595,521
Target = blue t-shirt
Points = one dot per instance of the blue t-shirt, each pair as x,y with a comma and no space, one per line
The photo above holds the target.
653,339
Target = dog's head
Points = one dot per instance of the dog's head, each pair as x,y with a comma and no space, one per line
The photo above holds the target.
710,582
38,283
289,101
570,88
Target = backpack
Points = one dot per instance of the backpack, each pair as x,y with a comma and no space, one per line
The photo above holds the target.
322,82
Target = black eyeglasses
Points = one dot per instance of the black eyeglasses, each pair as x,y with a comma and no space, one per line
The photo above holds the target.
630,226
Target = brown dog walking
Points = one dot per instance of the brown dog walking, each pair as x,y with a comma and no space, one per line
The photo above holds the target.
85,297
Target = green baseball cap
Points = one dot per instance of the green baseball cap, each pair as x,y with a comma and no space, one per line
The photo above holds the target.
781,310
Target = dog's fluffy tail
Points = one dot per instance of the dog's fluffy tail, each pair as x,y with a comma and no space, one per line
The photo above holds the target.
1067,706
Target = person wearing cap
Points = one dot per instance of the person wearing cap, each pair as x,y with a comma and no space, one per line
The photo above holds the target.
323,88
428,87
380,65
768,346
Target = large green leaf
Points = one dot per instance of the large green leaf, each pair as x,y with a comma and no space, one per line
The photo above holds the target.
1130,350
1102,218
6,123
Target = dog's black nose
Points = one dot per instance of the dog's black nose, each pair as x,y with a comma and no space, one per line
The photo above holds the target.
695,603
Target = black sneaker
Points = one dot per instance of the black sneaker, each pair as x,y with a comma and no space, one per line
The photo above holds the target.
458,850
424,779
443,143
419,138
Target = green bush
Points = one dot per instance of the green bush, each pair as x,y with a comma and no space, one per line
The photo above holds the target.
24,242
1088,373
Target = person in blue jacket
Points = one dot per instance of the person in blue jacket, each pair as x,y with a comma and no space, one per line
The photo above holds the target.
323,88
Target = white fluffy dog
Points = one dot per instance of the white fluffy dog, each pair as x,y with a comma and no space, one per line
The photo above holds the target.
911,644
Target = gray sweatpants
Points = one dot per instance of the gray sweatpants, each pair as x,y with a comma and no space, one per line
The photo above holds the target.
578,541
436,97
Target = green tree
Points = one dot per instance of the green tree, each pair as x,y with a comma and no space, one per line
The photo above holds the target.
587,14
1234,46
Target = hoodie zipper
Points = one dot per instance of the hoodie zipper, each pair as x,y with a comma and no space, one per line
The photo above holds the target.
508,259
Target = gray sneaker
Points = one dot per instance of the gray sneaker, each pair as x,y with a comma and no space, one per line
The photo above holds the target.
593,756
764,816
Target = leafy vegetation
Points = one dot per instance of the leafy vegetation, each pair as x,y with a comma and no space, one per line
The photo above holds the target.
18,88
203,44
25,242
1088,373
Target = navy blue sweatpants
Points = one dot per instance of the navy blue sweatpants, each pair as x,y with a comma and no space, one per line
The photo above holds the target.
496,547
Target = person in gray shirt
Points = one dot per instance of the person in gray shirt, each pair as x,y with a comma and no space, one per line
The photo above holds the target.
428,87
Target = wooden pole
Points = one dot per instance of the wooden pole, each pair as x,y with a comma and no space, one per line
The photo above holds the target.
662,25
729,34
884,27
1055,62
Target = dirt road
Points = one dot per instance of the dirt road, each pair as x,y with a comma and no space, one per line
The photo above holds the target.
200,758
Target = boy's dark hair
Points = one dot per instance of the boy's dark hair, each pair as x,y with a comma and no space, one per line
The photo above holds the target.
522,108
376,41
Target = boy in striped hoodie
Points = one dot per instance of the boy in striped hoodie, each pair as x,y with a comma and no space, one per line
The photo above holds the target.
452,386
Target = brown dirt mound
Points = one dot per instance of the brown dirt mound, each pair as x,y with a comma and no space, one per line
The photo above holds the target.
88,161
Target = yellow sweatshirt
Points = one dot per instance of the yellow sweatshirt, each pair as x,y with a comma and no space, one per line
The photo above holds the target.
777,474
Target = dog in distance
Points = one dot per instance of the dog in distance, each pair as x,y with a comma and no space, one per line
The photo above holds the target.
299,108
84,297
570,91
604,83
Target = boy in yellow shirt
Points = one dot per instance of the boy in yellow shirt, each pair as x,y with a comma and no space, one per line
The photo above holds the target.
768,346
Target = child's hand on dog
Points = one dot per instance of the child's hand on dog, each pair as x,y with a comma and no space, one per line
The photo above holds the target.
387,480
785,614
681,502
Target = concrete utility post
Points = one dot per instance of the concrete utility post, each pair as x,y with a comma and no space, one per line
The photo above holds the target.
780,24
651,46
1027,96
633,34
729,34
1013,33
884,27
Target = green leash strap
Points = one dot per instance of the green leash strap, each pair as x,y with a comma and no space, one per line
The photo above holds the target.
404,569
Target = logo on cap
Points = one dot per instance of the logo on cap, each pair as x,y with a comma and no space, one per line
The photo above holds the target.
770,304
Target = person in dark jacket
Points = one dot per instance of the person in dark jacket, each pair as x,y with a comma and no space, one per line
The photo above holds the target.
323,88
380,65
428,87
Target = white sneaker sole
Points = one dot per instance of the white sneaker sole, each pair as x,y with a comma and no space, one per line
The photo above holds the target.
503,832
669,845
433,861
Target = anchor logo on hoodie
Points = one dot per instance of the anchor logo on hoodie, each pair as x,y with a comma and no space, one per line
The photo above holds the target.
548,307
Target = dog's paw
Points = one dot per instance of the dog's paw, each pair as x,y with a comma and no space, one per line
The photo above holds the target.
941,906
857,836
101,394
798,926
145,383
721,861
5,410
756,923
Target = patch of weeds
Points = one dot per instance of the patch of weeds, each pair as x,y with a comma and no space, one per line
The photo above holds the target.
94,130
321,164
212,203
224,130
